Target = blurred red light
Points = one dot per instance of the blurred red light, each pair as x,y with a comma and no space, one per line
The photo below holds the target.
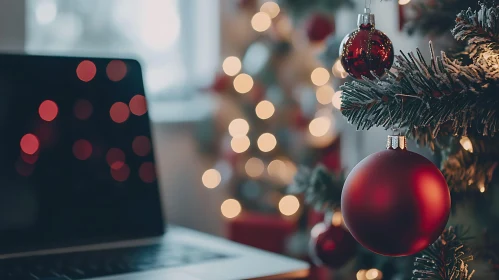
83,109
86,70
82,149
30,144
48,110
116,70
121,174
141,145
147,172
31,159
138,105
119,112
115,158
23,168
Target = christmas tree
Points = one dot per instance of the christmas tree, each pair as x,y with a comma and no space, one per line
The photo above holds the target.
450,105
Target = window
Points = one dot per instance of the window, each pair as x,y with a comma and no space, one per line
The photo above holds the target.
176,41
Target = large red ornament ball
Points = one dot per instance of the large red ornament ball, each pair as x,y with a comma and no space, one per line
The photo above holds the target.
395,202
319,27
366,49
331,246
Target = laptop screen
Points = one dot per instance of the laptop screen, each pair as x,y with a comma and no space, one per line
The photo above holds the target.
76,158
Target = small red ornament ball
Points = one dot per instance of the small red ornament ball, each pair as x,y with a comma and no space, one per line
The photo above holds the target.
364,50
395,202
319,27
331,246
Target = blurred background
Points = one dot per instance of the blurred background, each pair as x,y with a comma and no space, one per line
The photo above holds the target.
241,94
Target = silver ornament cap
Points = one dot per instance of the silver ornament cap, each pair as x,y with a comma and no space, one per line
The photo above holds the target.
366,18
396,142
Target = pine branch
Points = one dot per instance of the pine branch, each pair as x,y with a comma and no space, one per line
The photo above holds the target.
321,189
446,259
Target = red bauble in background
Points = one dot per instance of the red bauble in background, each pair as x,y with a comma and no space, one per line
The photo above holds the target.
395,202
319,27
366,49
221,83
331,246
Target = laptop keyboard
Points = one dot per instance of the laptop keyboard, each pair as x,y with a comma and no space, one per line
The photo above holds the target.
87,265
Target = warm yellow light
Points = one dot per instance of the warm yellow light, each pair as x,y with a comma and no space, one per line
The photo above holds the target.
270,8
324,94
466,143
284,27
339,71
265,109
238,128
337,219
243,83
231,208
289,205
482,188
373,274
261,21
232,65
361,275
320,76
266,142
337,99
404,2
276,168
254,167
240,144
319,126
289,172
211,178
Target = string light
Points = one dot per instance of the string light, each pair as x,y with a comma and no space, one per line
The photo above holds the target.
404,2
466,143
211,178
86,71
261,22
337,219
482,187
265,109
29,144
48,110
240,144
339,71
116,70
231,65
231,208
266,142
138,105
373,274
289,205
319,126
276,168
337,99
254,167
270,8
361,274
238,128
320,76
324,94
243,83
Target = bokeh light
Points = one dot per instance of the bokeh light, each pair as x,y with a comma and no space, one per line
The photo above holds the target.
361,274
119,112
266,142
211,178
141,145
48,110
276,168
29,144
243,83
120,174
324,94
261,21
319,126
254,167
289,205
238,128
320,76
373,274
337,219
466,144
147,173
265,109
231,208
240,144
270,8
231,65
138,105
82,149
83,109
404,2
116,70
337,99
339,71
86,70
115,158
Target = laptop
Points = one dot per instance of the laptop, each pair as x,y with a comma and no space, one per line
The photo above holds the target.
79,194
